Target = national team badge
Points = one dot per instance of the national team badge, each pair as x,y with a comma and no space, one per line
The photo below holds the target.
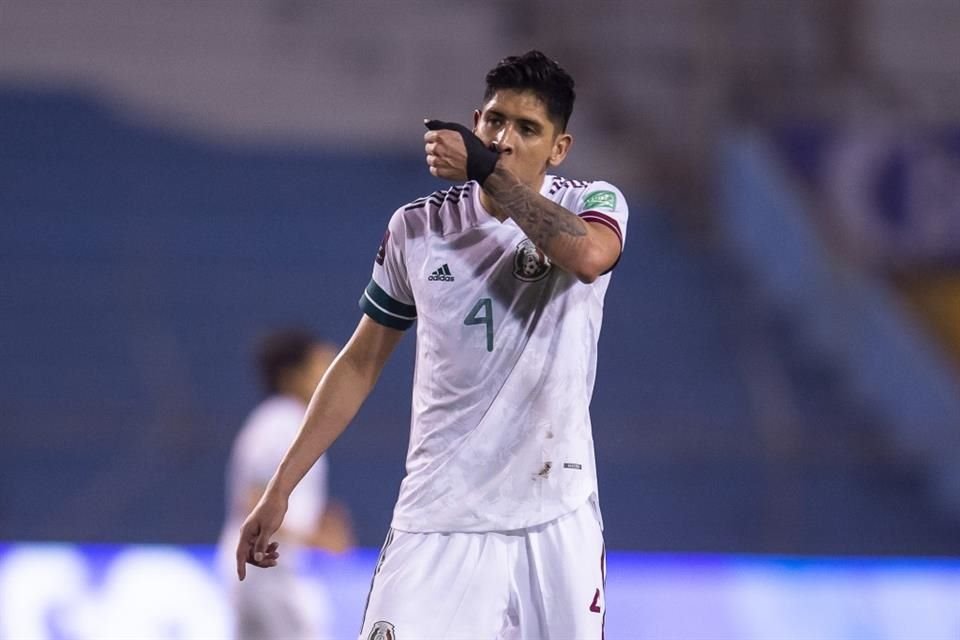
601,200
529,263
382,630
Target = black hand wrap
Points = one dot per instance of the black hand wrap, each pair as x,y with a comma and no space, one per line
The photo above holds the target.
481,160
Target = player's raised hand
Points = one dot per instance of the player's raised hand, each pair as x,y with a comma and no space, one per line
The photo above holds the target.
456,153
254,545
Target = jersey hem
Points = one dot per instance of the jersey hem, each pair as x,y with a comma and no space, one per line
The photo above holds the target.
405,524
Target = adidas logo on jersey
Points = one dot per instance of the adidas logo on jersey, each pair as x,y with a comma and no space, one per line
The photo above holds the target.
443,274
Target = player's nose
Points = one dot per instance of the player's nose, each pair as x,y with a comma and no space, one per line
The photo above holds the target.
504,140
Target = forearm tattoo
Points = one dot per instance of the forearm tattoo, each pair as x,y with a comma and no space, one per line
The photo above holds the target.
543,221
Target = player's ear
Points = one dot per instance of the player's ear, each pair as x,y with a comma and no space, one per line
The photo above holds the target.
476,119
561,147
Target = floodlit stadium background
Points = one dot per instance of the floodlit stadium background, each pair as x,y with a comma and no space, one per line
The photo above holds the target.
776,413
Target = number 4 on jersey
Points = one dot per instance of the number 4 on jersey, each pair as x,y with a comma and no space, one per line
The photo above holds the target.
473,317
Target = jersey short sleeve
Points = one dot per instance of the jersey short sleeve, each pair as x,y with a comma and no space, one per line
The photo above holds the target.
603,203
388,299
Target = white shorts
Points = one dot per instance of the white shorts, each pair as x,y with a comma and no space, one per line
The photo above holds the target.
541,583
278,604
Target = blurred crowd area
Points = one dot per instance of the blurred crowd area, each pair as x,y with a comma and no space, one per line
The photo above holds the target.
778,369
657,80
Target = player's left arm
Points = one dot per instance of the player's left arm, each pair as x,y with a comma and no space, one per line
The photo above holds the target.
585,249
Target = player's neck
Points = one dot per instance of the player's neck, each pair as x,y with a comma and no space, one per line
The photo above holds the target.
297,392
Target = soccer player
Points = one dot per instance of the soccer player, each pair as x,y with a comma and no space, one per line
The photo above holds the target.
281,603
497,530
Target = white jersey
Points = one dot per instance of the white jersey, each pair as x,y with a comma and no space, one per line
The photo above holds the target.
500,434
257,451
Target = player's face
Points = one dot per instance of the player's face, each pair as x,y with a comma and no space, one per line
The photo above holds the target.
528,140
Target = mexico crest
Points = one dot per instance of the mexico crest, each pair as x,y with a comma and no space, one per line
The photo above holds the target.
529,263
382,630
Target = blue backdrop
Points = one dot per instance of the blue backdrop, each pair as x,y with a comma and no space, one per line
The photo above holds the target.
138,267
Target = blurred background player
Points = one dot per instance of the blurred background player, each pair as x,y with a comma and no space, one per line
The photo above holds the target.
282,603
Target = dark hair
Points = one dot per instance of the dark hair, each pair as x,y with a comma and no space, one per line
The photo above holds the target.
535,72
280,352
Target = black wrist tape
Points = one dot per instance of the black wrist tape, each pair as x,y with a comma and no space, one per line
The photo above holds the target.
481,160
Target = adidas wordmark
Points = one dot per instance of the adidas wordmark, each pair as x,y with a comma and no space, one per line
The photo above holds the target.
443,274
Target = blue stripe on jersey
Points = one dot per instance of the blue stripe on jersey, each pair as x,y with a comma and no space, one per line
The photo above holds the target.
377,303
